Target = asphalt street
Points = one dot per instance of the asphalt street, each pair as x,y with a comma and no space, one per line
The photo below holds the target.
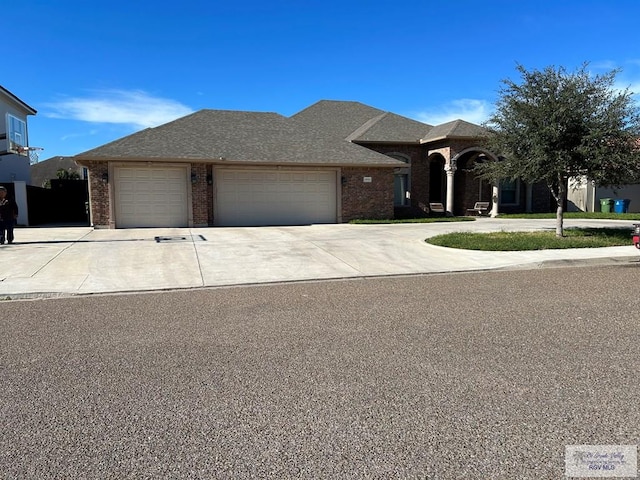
469,375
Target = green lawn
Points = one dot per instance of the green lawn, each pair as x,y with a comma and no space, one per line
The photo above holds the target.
514,241
414,220
510,241
573,215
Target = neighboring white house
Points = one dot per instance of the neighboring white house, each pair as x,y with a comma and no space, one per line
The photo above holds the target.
14,161
584,196
14,148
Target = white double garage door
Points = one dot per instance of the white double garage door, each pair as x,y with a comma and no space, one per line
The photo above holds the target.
159,196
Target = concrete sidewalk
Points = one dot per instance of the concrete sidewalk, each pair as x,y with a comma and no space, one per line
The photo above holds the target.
81,260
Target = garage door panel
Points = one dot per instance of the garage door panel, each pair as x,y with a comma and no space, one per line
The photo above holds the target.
275,197
151,196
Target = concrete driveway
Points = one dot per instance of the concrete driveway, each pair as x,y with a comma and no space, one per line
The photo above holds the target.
81,260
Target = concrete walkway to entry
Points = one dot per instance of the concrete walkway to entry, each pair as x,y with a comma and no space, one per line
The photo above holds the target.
81,260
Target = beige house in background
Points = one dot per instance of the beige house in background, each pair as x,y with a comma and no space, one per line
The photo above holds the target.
584,196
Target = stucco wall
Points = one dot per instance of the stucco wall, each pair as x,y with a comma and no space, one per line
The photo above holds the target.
12,167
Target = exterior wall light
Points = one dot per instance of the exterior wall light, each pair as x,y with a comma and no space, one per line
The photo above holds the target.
105,177
209,179
194,177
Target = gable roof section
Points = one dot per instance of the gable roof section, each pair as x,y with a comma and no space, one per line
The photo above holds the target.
455,129
16,101
391,128
356,122
224,136
334,118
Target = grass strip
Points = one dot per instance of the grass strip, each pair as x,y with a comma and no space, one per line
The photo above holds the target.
413,220
518,241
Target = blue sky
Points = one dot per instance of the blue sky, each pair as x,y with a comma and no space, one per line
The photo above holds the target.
96,71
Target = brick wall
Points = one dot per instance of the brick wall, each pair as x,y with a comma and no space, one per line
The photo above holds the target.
210,195
362,200
419,183
99,194
200,195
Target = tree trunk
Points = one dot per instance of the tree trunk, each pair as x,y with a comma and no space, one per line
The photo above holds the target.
559,221
559,193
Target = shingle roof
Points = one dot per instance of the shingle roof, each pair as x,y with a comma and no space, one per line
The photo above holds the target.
48,169
357,122
326,133
455,129
236,136
390,127
19,103
337,119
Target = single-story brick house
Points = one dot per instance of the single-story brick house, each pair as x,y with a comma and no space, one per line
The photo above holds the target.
332,162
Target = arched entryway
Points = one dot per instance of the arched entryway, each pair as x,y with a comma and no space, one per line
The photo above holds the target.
468,188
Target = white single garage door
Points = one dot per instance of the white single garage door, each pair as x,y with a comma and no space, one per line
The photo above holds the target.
274,197
151,197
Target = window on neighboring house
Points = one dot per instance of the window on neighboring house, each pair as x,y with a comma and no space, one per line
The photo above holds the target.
16,132
509,192
401,185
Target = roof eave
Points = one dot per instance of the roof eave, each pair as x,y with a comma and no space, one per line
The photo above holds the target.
387,142
30,110
224,161
450,137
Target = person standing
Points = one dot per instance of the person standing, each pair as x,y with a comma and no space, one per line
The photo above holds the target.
8,216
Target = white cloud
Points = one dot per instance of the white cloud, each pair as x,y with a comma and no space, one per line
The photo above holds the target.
627,78
603,65
471,110
79,135
633,86
130,107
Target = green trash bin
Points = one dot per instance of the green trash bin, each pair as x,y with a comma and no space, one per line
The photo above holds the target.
605,205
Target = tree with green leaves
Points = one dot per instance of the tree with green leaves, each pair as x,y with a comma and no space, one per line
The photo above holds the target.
63,174
556,124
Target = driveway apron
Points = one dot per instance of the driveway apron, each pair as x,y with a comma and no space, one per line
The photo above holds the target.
81,260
